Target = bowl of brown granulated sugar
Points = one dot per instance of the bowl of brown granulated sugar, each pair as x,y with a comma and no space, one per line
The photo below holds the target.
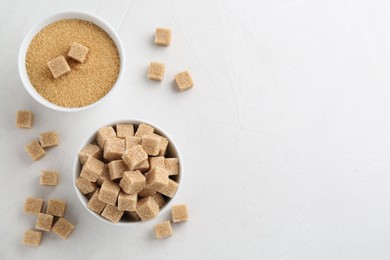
87,81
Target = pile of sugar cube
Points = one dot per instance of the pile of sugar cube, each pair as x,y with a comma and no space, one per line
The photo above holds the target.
59,66
156,70
53,220
125,174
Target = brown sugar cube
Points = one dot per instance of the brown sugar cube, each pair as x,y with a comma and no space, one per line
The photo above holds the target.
49,139
63,228
24,119
163,229
92,169
78,52
170,189
32,238
112,213
104,176
58,66
156,71
172,165
95,204
157,179
124,130
147,208
127,202
85,186
151,144
33,206
103,134
132,141
113,148
90,150
132,182
49,178
35,150
144,129
157,161
44,222
163,37
184,81
145,192
109,192
133,215
134,157
163,146
144,167
159,199
116,169
56,207
179,213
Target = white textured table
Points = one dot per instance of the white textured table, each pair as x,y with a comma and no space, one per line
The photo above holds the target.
285,137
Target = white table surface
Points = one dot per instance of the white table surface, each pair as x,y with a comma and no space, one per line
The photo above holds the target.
285,136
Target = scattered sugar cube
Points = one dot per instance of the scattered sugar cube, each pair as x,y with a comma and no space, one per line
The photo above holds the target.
134,157
156,161
85,186
163,37
184,81
44,222
24,119
32,238
132,141
49,178
132,182
95,204
127,202
147,208
109,192
33,206
133,215
159,199
92,169
151,144
179,213
112,213
35,150
78,52
157,179
144,129
90,150
116,169
163,146
49,139
124,130
170,189
113,148
58,66
163,229
104,176
56,207
63,228
156,71
103,134
172,165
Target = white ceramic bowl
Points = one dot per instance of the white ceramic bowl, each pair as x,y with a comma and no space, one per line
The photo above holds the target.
172,151
53,18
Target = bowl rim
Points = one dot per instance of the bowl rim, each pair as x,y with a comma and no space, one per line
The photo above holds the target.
77,167
62,15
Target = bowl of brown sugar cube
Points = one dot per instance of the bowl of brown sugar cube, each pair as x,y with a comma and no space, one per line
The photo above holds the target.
71,61
127,172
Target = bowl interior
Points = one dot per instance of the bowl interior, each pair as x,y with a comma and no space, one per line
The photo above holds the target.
53,18
172,151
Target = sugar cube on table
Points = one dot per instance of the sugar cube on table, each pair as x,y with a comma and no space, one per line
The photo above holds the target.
35,150
56,207
156,71
63,228
24,119
44,222
49,139
32,238
163,229
184,81
49,178
179,213
33,206
163,37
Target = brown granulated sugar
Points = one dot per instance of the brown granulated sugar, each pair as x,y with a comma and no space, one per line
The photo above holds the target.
87,82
